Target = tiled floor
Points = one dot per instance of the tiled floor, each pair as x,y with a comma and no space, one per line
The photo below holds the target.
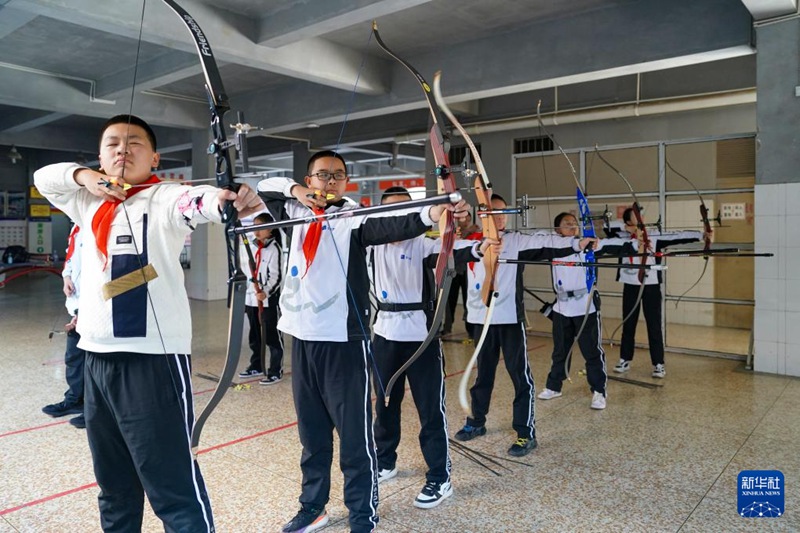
657,459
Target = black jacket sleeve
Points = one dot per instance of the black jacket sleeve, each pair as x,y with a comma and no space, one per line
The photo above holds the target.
383,230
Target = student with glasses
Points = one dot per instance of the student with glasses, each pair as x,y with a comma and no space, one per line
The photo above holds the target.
325,308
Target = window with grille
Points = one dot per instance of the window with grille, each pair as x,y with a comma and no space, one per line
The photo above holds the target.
533,144
458,153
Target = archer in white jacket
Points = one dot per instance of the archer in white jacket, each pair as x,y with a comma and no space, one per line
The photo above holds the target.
261,304
507,330
648,294
74,357
135,324
574,315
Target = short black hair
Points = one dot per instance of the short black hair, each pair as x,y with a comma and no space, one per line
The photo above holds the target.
320,155
132,120
560,217
395,191
496,196
263,218
627,215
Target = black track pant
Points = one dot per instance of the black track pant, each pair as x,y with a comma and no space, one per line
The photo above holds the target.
651,302
511,339
426,380
139,418
459,286
274,341
330,383
564,330
74,359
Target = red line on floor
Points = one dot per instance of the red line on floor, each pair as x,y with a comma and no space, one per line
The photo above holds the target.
205,450
47,498
248,437
536,347
32,428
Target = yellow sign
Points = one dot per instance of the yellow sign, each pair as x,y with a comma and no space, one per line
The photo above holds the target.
35,193
39,210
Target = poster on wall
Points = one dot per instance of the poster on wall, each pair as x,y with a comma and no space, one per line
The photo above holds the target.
39,211
40,237
35,194
16,206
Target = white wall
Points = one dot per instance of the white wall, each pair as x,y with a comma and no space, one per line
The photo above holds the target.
777,283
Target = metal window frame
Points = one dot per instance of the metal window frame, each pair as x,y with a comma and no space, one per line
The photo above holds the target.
662,194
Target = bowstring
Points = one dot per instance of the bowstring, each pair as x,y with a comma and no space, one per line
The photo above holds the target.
125,210
351,295
592,291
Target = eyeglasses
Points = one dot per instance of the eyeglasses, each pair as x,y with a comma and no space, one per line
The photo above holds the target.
326,176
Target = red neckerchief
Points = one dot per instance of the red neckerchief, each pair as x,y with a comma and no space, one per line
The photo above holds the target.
311,242
71,242
101,222
475,236
259,247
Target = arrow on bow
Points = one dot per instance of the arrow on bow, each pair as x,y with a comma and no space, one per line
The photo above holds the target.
445,183
483,191
219,147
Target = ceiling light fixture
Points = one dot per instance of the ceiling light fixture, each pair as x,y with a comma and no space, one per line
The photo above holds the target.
14,155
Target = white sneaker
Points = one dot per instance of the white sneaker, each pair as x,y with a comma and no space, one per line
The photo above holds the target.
598,401
432,494
384,474
548,394
659,371
622,366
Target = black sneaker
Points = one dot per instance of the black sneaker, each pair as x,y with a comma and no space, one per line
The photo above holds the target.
251,373
78,422
307,519
522,446
270,380
62,409
433,493
470,432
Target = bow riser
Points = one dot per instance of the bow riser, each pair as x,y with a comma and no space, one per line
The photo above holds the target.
483,192
445,183
587,226
237,282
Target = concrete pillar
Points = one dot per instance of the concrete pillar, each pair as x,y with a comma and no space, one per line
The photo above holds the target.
777,199
207,278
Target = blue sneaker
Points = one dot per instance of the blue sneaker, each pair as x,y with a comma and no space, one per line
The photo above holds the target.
62,409
470,432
